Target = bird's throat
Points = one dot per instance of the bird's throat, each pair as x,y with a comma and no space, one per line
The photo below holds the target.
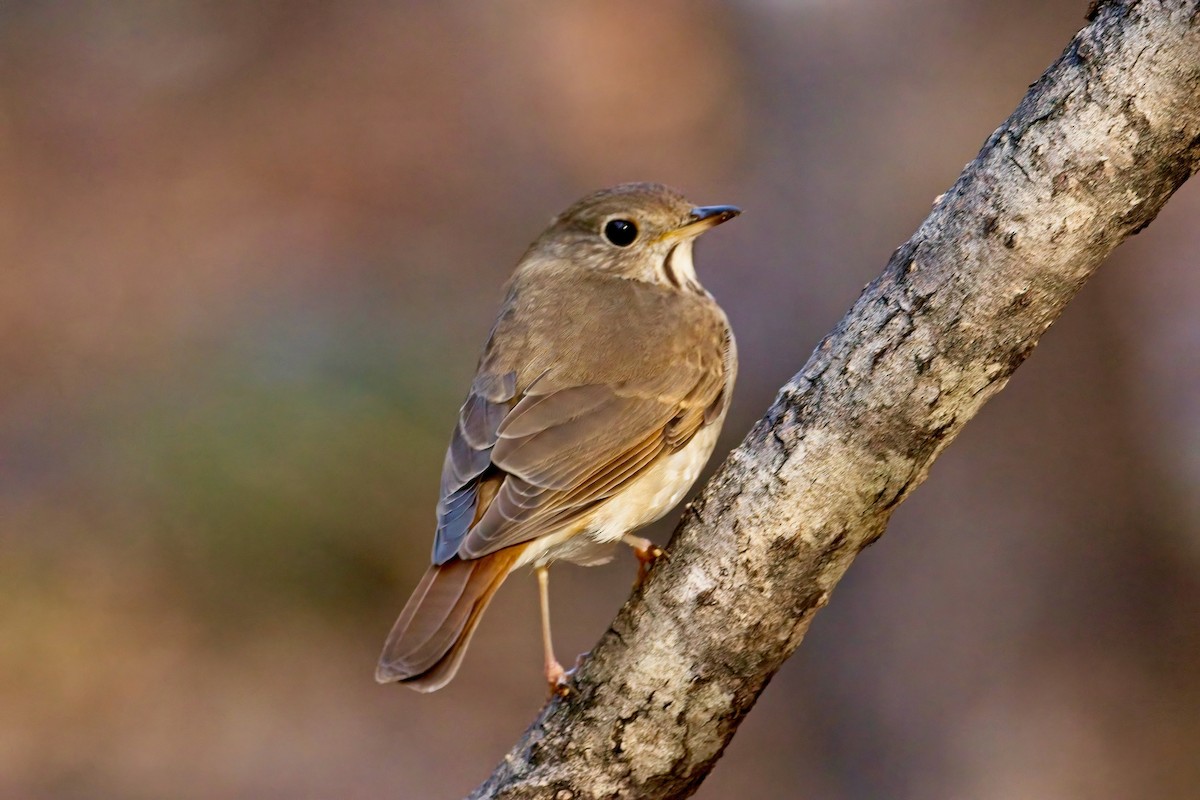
678,269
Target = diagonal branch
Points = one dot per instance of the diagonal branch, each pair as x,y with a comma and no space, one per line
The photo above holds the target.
1089,157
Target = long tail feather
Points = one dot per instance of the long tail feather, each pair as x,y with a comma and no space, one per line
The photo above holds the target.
428,641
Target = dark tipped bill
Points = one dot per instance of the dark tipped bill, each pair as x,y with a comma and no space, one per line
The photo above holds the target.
702,218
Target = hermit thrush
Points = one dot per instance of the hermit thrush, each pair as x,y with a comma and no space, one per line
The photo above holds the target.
597,400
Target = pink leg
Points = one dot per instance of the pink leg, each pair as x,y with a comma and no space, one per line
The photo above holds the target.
646,552
556,676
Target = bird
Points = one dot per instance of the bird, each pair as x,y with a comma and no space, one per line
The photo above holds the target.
597,399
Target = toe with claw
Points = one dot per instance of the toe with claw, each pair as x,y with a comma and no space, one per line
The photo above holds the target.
556,680
646,552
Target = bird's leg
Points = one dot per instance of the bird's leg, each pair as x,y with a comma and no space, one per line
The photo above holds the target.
646,552
556,676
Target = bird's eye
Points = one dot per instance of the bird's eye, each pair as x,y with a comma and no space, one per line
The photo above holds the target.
620,232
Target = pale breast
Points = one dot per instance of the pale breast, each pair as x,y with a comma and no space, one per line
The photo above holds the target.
590,540
657,491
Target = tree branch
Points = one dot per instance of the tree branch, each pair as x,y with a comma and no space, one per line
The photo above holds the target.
1089,157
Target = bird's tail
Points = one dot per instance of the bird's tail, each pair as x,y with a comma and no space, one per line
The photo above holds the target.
428,641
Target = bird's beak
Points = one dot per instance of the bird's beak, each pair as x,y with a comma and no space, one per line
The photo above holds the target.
701,219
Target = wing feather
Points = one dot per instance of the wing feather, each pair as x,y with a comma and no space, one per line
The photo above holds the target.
533,455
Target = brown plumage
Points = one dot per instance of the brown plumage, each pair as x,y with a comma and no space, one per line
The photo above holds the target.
597,399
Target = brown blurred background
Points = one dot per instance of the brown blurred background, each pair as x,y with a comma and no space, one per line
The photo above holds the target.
249,252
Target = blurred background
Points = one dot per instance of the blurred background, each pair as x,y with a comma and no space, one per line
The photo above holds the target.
249,252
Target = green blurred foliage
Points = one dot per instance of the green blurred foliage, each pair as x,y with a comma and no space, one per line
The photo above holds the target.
278,470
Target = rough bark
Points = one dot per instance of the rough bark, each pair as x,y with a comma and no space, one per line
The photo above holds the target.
1090,156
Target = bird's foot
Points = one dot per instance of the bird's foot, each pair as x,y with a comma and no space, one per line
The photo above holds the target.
646,552
557,679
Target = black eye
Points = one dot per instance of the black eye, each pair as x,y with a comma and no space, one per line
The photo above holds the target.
620,232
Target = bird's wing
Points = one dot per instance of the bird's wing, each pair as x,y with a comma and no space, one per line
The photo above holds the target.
469,480
521,465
